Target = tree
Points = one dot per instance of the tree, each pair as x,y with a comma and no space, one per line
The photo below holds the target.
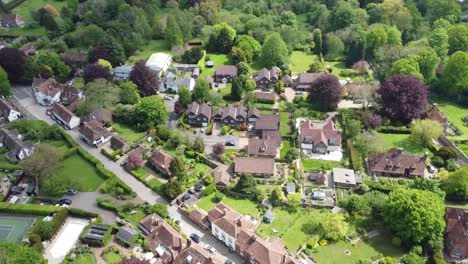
425,130
17,253
403,98
193,55
178,168
173,188
455,74
99,94
428,62
246,185
458,38
130,93
199,144
427,185
318,42
134,161
201,92
185,97
13,61
249,45
43,163
343,15
150,112
274,51
408,65
456,185
224,37
5,87
174,35
446,9
439,42
276,195
292,154
414,215
94,71
294,201
412,258
371,143
362,67
326,92
218,148
316,66
334,47
104,63
372,121
145,79
334,226
45,229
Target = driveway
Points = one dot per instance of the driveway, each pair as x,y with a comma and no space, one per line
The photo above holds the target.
290,94
173,117
87,201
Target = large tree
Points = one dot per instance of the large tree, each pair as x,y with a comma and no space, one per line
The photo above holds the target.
334,226
94,71
145,78
246,185
130,93
439,42
371,143
415,215
43,163
5,87
224,36
16,253
456,185
458,38
13,61
201,91
134,161
325,92
455,74
274,51
150,112
174,36
403,98
99,93
423,131
249,45
185,97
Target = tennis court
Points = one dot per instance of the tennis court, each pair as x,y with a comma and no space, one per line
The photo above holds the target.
14,228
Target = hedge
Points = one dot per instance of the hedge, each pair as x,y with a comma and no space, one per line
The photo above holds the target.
33,209
394,130
353,156
9,166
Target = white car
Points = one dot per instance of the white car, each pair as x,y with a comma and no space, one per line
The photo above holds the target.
168,98
211,249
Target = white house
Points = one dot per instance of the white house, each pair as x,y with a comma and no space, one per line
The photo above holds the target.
172,85
62,113
8,110
47,92
13,141
159,62
122,72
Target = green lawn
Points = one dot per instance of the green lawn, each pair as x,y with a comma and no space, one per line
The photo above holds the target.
314,165
112,258
264,105
60,144
285,128
127,133
201,168
285,148
145,52
340,70
218,59
85,259
243,206
335,252
300,61
25,8
80,171
403,141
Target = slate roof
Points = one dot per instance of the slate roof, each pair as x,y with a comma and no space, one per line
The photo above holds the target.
268,74
265,96
286,79
234,111
197,109
268,122
395,162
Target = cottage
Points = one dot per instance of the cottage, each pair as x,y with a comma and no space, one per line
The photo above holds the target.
94,133
63,114
118,143
122,72
8,110
456,234
265,97
320,137
287,81
305,80
159,62
253,114
266,79
47,92
11,21
221,177
17,148
233,115
198,114
344,178
225,73
103,116
396,164
258,167
161,162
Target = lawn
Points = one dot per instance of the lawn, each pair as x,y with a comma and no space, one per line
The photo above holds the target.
285,128
25,8
285,148
112,258
145,52
403,141
78,170
127,133
300,61
85,259
314,165
218,59
201,168
59,144
340,70
335,252
243,206
264,105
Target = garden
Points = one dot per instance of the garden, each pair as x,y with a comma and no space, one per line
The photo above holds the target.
319,165
127,133
403,141
241,205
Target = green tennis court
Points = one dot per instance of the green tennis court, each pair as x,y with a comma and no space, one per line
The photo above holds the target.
14,228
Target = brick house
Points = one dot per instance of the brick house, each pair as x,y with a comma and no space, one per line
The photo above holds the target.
266,79
396,164
161,162
198,114
320,137
225,73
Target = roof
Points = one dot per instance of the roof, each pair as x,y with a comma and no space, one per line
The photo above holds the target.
199,109
9,19
185,81
268,74
307,77
223,70
395,162
218,112
456,232
195,254
158,60
12,139
286,79
198,215
221,177
209,79
126,233
265,96
234,111
254,112
63,112
162,160
118,142
263,147
6,107
123,69
102,115
269,251
436,115
268,122
229,220
291,187
345,176
243,165
48,87
316,132
93,130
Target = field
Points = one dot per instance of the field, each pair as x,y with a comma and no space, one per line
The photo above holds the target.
145,52
25,8
342,72
403,141
314,165
300,61
218,59
76,169
13,228
243,206
127,133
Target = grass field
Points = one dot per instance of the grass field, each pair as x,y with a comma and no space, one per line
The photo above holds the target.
218,59
340,70
145,52
314,165
243,206
25,8
80,171
285,128
300,61
403,141
14,228
127,133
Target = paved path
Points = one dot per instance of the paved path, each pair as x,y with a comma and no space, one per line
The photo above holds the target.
87,201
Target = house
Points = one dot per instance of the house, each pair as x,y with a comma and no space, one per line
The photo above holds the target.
8,110
258,167
266,146
287,81
119,143
221,177
267,122
225,73
60,112
344,178
253,114
320,137
159,62
122,72
217,114
17,148
71,94
233,115
200,217
456,234
305,80
11,21
396,164
161,162
198,114
436,115
194,253
126,235
103,116
266,79
265,97
94,133
173,84
47,92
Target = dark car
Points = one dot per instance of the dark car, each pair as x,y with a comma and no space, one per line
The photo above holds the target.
185,197
64,201
198,187
228,261
196,238
123,163
230,143
71,192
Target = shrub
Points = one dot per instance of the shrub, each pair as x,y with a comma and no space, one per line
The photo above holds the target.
446,153
209,189
225,130
323,242
218,196
396,241
438,162
34,238
33,209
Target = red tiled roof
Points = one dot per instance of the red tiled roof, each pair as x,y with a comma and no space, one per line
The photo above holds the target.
395,162
161,160
48,87
320,132
243,165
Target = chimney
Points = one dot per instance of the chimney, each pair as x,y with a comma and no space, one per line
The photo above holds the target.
180,243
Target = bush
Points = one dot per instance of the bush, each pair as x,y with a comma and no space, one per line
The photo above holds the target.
209,129
446,153
225,130
209,189
438,162
218,196
32,209
394,130
34,238
396,241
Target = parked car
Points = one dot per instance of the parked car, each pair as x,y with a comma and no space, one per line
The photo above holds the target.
230,143
185,197
196,238
431,169
123,163
228,261
64,201
168,98
71,192
211,249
